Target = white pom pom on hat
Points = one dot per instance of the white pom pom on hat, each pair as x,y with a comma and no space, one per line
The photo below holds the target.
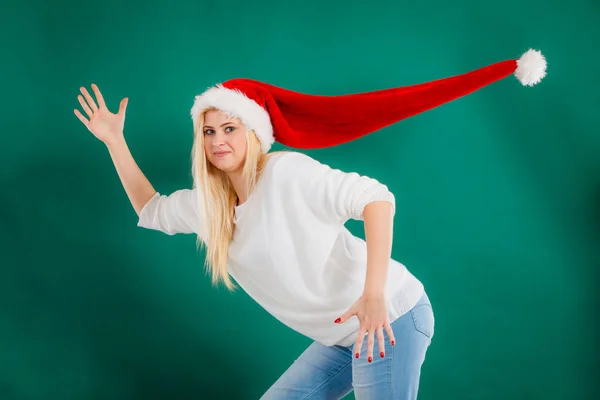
531,68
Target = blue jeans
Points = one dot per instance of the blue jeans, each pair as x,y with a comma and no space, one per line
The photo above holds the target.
331,372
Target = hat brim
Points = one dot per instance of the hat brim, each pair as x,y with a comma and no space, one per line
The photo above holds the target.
235,103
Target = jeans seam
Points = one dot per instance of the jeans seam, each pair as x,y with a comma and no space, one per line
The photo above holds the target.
417,327
390,369
327,380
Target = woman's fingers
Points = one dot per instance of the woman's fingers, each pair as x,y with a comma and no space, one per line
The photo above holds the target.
359,341
390,333
370,344
381,342
82,118
371,334
87,109
99,97
89,99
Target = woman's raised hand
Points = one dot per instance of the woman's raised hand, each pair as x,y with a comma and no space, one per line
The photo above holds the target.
106,126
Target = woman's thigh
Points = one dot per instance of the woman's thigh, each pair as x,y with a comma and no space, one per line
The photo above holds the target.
397,375
321,372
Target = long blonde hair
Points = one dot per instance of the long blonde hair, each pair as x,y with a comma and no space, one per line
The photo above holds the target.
216,193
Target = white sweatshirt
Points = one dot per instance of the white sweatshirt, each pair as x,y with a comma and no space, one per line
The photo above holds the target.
291,251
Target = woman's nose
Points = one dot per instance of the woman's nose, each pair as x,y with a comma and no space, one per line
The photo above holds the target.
218,138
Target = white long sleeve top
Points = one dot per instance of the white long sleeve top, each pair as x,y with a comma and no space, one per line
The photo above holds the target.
291,251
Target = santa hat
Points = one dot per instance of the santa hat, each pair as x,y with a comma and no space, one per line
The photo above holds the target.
311,121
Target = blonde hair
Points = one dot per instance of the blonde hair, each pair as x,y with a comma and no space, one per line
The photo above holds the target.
218,196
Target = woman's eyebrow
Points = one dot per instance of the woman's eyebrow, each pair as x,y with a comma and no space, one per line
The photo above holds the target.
230,122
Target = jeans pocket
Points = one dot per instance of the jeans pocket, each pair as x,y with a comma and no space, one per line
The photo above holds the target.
423,319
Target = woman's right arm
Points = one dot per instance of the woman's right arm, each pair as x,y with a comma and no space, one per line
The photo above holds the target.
108,128
172,214
136,185
176,213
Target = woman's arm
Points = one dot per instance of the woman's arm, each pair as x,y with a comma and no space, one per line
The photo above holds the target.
332,194
370,308
171,214
378,222
136,185
108,128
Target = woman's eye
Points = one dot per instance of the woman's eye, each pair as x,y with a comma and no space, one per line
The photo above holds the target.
210,131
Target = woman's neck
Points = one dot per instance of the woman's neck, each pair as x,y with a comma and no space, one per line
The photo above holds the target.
239,185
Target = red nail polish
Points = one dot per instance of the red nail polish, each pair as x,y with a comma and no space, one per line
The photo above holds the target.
356,355
393,343
337,320
381,354
370,359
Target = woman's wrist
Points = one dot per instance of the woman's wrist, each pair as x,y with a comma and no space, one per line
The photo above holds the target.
373,292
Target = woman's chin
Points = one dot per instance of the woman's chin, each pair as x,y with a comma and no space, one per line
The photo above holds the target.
225,165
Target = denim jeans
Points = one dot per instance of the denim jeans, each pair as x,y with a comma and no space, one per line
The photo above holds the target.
331,372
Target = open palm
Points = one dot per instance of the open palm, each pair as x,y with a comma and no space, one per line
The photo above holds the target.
105,125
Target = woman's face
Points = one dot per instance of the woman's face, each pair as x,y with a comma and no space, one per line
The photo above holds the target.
224,141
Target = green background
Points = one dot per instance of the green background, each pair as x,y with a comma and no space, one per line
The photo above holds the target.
498,192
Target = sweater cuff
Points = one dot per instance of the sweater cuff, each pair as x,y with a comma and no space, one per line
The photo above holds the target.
380,195
146,217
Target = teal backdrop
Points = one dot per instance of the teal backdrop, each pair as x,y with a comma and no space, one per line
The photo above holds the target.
498,193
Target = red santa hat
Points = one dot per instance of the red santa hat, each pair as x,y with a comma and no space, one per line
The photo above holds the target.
309,121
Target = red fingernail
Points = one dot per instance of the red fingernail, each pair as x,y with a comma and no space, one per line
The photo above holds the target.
356,355
393,343
381,354
337,320
370,359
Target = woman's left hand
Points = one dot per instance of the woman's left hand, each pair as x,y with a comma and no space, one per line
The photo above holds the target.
372,315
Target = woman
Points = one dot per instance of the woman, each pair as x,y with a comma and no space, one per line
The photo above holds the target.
274,222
